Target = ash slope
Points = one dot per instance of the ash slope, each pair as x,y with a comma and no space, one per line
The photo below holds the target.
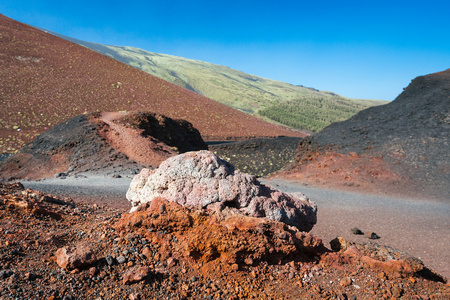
103,143
46,80
401,146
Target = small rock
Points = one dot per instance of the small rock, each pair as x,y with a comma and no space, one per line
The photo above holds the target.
134,296
291,275
109,260
92,271
147,253
121,259
248,261
372,236
30,276
340,244
171,262
78,256
356,231
135,274
346,281
397,292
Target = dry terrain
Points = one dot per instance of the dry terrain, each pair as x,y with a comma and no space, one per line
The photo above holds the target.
402,147
47,80
113,143
54,248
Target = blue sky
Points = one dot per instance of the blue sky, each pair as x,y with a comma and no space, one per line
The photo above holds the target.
359,49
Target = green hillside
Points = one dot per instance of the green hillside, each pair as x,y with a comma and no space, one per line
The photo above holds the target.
276,101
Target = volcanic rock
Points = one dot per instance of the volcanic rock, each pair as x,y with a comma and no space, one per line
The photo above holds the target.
401,147
103,143
135,274
75,257
217,255
217,237
201,179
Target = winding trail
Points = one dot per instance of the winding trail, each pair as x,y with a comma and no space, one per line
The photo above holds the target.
418,227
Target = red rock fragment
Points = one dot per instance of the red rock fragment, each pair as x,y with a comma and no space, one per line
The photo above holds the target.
135,274
79,256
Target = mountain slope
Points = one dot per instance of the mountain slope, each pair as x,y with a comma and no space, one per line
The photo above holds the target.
294,106
402,146
46,80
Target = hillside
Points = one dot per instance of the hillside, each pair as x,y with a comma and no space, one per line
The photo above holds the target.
291,105
107,143
402,146
47,80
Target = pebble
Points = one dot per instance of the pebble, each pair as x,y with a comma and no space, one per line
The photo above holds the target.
356,231
121,259
109,260
235,267
397,292
346,281
372,236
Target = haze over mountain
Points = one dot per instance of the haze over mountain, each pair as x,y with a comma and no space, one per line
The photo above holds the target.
291,105
46,80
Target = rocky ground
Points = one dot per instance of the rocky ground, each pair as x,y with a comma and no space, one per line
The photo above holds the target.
55,248
259,157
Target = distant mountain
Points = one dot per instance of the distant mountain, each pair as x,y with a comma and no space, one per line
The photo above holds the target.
284,103
46,80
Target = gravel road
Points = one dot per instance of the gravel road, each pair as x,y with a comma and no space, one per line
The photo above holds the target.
421,228
418,227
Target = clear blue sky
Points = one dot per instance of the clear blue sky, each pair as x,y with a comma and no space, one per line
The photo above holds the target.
359,49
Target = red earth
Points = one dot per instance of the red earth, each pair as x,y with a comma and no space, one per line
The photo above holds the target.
166,251
46,80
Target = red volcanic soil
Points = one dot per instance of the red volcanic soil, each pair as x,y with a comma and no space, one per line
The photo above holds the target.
46,80
55,248
402,147
114,143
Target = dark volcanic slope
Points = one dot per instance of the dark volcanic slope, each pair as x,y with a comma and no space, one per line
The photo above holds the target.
104,143
404,143
46,80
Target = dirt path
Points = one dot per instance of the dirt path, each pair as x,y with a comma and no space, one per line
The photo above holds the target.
421,228
143,150
101,190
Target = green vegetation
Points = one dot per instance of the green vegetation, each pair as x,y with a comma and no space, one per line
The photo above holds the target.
312,114
280,102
